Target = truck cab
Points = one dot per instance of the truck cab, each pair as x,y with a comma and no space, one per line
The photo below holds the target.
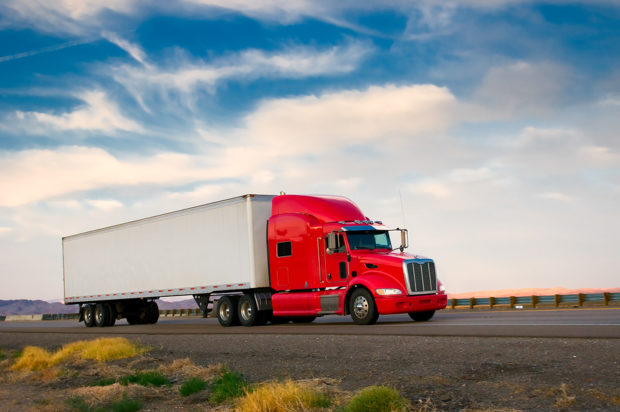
326,257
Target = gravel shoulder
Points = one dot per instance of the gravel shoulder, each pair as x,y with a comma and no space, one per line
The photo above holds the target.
449,373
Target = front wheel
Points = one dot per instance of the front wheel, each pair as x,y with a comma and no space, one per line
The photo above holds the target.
421,316
363,308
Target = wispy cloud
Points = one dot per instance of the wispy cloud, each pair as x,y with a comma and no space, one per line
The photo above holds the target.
188,77
134,50
45,50
98,114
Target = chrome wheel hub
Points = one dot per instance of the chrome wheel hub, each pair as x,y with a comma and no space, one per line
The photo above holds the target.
360,307
246,310
224,311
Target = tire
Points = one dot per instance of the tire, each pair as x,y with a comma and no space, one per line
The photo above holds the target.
248,312
363,308
421,316
303,319
152,313
227,313
102,315
113,314
89,315
133,319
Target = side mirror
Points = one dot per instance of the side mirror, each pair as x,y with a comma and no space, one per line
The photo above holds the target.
404,239
331,243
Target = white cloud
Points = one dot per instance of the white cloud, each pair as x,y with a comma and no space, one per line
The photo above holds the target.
105,204
64,16
133,50
34,175
556,196
98,114
186,77
522,88
333,120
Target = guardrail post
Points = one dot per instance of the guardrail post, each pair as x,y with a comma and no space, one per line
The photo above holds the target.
534,301
606,298
580,299
556,300
452,303
472,303
491,302
513,301
174,312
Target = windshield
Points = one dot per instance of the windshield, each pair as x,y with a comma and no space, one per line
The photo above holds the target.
372,239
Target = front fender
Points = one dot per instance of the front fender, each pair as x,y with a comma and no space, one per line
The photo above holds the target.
377,280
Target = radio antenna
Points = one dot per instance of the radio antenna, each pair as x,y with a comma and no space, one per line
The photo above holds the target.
402,207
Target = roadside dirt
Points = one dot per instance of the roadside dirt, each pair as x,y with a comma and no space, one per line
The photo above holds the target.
434,373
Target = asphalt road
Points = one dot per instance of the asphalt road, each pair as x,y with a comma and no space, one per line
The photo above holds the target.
564,323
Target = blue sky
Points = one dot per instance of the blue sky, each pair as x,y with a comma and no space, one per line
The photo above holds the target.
488,128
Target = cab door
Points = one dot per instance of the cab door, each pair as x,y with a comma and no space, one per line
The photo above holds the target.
336,269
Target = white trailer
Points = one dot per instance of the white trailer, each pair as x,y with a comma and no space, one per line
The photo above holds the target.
119,271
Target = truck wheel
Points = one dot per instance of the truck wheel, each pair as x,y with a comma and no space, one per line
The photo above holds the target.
421,316
112,311
227,313
89,315
362,307
151,312
102,315
248,312
133,319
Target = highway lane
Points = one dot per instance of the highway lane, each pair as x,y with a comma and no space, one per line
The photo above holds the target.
564,323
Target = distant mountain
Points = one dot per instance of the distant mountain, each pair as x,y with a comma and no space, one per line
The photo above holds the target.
528,292
34,307
38,307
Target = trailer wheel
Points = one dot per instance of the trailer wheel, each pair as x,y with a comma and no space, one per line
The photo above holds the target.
133,319
113,314
421,316
363,308
248,312
102,315
89,315
227,313
151,312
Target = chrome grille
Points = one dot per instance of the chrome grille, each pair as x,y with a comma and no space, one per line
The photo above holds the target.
420,277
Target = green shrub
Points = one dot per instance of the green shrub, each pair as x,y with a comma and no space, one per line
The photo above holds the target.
192,385
125,405
78,404
2,355
378,399
146,378
228,385
104,382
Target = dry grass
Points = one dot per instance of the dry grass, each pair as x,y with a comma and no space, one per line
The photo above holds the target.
564,400
282,397
102,350
604,397
97,395
184,368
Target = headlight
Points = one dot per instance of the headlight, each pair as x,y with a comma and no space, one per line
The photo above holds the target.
385,292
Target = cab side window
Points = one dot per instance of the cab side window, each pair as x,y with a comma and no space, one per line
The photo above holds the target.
284,249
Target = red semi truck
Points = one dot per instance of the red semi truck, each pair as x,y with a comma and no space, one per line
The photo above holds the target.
263,258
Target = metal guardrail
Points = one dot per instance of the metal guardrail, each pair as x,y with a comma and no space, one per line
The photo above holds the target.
519,302
512,302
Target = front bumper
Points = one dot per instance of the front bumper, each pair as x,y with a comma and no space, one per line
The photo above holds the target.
405,304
